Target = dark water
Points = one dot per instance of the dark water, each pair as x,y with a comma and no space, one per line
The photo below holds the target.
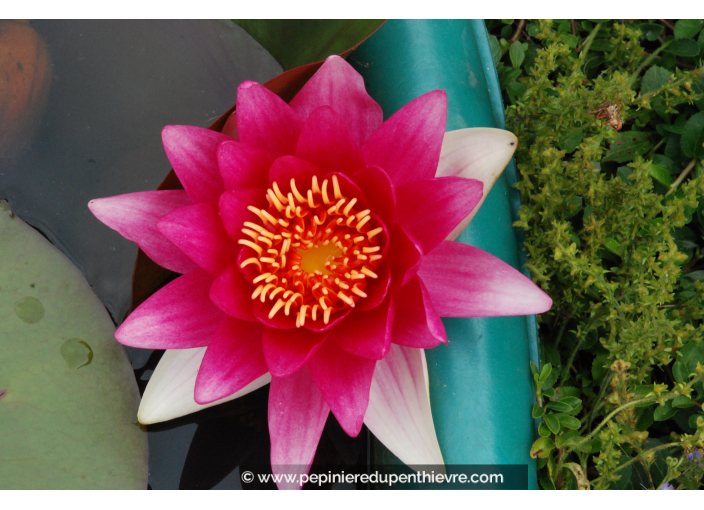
115,85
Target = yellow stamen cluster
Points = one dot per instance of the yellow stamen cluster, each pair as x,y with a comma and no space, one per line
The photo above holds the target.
313,249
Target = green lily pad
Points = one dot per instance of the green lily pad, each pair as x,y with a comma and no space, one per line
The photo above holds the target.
68,397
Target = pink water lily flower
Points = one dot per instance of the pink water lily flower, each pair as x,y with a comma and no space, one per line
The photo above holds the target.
312,243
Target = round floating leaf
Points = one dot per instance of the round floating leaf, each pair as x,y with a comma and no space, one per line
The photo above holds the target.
68,398
693,137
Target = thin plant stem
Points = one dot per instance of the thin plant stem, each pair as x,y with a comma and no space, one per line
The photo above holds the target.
588,42
517,33
682,176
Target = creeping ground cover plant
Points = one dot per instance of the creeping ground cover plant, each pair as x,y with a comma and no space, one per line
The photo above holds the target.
315,257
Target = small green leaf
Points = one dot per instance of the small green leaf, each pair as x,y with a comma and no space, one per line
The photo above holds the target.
552,422
680,372
627,146
664,412
545,372
537,411
696,275
688,28
682,402
495,49
683,48
541,448
516,54
572,401
559,406
660,174
653,79
515,90
651,31
543,429
693,137
570,142
612,245
601,45
507,21
569,422
570,40
546,483
550,392
693,420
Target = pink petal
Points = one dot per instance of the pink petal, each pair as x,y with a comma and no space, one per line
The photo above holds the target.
297,415
288,350
233,360
170,390
289,167
178,316
399,408
464,281
232,293
192,152
242,166
197,229
344,380
368,333
475,153
338,85
348,189
446,201
278,321
265,121
320,327
407,146
378,190
377,288
135,216
230,127
326,142
405,255
233,206
416,323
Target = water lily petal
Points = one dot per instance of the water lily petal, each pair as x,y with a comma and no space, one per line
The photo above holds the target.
475,153
232,293
464,281
232,360
265,121
178,316
416,324
407,146
327,143
405,255
242,166
286,351
289,167
320,327
429,209
378,190
377,288
192,152
338,85
399,408
367,333
297,415
169,393
279,321
233,206
135,215
344,380
198,230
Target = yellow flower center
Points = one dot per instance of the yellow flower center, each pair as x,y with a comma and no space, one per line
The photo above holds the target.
314,251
